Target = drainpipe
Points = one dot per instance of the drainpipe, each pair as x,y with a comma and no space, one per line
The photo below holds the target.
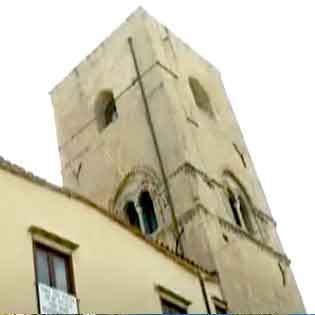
204,292
164,177
155,142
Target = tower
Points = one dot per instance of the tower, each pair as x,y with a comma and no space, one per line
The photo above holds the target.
146,131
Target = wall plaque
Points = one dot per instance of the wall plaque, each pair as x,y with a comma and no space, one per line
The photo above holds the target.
54,301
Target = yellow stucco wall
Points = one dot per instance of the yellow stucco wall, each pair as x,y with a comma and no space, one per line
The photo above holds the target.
115,271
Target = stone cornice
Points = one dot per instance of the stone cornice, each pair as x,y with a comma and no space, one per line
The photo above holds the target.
212,183
190,213
264,216
243,234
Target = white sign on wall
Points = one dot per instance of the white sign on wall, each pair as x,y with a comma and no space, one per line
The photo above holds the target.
54,301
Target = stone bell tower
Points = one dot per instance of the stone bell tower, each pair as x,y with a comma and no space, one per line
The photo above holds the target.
145,130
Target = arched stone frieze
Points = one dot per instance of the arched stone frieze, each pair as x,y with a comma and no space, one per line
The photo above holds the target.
138,180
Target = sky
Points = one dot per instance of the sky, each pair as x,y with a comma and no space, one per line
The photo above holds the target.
265,51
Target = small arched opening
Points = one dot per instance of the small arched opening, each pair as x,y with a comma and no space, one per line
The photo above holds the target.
148,213
239,202
200,95
233,206
105,109
245,215
132,215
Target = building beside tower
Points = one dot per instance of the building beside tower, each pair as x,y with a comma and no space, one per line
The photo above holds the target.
61,254
160,194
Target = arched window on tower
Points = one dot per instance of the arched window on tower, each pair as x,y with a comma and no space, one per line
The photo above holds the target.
245,214
148,214
201,97
240,211
105,109
132,214
233,206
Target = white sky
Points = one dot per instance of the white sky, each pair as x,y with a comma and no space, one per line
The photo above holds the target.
264,49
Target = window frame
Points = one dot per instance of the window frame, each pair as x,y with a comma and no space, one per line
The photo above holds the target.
52,280
237,217
218,303
105,109
137,224
242,215
179,309
149,217
247,216
172,299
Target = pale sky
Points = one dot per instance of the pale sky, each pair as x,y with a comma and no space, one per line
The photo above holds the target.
266,54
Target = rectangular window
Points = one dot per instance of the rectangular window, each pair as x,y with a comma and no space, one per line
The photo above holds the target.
172,303
171,308
53,268
220,306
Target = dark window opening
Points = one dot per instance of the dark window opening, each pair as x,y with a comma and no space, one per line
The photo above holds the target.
148,214
53,269
171,308
220,306
225,237
220,310
110,113
233,206
245,215
105,110
283,273
132,215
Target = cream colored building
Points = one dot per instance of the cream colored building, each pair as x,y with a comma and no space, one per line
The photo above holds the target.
115,269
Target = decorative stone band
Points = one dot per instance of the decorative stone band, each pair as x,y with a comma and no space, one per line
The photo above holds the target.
212,183
189,215
182,220
264,217
241,233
